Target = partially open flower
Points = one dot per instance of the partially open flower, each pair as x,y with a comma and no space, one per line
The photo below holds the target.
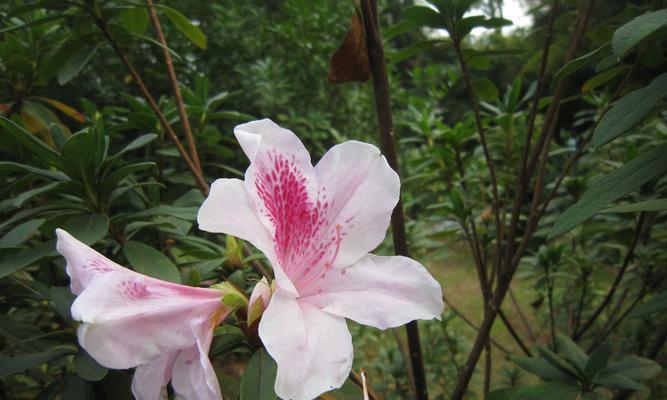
132,320
316,225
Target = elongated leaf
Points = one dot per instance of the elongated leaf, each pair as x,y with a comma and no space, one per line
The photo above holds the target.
20,233
148,261
598,360
542,368
62,299
602,78
414,49
82,157
633,367
485,90
20,363
33,23
26,257
613,186
572,352
75,64
67,110
30,142
627,36
629,111
186,26
618,381
578,63
137,143
648,205
49,174
656,304
259,377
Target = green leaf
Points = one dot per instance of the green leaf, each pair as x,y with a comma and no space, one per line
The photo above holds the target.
26,257
76,63
79,389
618,381
88,229
629,35
111,182
148,261
629,111
398,29
137,143
88,368
655,304
259,377
546,391
485,90
62,299
424,16
30,142
17,201
578,63
20,363
614,185
33,23
542,368
634,367
572,352
598,360
82,157
556,360
185,213
648,205
135,20
20,233
45,173
186,26
602,78
349,391
413,50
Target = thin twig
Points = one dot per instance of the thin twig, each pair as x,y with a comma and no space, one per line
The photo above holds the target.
473,325
522,316
487,370
386,132
514,333
619,276
357,380
199,178
187,131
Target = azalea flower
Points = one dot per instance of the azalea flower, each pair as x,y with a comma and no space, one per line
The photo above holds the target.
132,320
316,225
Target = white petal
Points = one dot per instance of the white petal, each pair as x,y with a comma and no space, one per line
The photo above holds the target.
362,190
313,349
150,380
383,292
193,375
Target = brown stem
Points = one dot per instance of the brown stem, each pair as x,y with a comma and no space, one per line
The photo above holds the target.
619,276
386,132
487,155
514,333
522,316
487,370
523,178
187,131
199,178
473,325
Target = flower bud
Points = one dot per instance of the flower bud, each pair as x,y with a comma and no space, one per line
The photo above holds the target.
259,300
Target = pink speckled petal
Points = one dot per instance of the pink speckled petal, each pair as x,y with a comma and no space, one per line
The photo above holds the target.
313,349
361,190
130,319
383,292
230,209
83,263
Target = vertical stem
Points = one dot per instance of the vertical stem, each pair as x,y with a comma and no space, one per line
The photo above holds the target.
187,131
199,178
487,370
386,131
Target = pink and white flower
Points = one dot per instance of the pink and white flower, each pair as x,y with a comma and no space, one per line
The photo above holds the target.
316,225
132,320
